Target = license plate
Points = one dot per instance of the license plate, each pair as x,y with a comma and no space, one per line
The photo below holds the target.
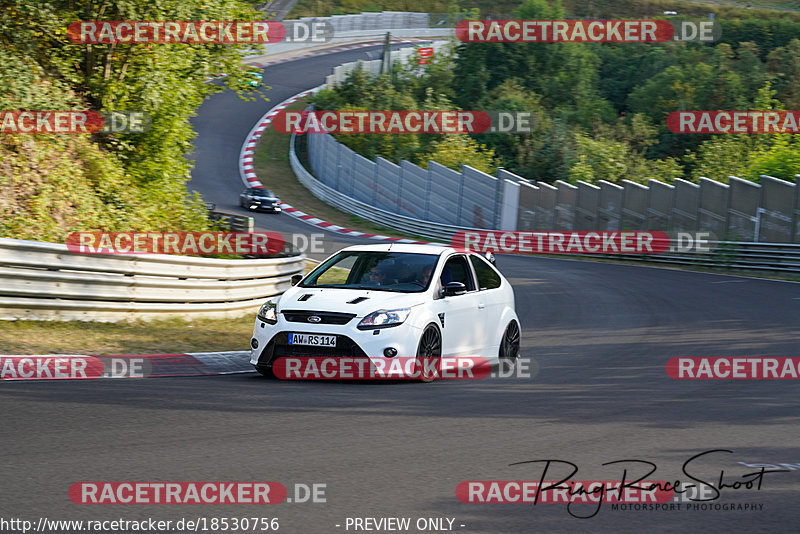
312,339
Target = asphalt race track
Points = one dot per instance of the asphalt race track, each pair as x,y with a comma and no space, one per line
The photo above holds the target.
597,337
224,121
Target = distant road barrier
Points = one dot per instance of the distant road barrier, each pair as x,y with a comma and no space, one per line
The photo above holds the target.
364,26
783,258
44,281
233,222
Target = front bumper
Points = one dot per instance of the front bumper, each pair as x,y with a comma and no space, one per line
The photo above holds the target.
274,208
351,342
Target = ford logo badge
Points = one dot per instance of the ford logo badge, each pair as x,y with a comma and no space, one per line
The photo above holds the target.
314,319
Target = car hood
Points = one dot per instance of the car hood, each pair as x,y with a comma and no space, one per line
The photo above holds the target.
359,301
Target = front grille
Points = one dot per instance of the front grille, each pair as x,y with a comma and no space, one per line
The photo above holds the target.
279,347
301,316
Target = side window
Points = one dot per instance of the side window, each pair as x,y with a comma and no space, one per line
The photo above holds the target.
487,276
457,270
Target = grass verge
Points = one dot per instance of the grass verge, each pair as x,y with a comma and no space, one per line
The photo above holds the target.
167,336
170,336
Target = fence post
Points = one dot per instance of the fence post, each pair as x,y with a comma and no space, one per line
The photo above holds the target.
510,206
795,234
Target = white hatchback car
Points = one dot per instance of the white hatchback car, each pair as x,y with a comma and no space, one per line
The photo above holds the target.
381,301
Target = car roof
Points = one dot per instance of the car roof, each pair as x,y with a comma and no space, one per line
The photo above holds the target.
402,247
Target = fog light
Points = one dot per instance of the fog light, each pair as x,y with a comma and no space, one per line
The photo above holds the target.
390,352
254,343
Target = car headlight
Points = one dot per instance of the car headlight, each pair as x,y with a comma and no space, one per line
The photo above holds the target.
269,312
384,318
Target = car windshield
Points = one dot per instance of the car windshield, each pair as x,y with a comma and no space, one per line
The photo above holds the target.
402,272
263,193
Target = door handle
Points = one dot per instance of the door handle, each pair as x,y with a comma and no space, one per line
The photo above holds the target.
481,305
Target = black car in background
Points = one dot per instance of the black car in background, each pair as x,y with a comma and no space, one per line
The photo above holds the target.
259,199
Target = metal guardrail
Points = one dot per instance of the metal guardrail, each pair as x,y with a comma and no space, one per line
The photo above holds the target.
283,49
409,225
370,20
363,26
45,281
728,255
733,255
233,222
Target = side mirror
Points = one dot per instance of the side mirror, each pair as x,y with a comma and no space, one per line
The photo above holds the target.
296,279
489,256
454,288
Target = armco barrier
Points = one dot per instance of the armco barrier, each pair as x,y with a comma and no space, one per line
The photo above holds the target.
44,281
359,27
341,72
410,225
233,222
783,258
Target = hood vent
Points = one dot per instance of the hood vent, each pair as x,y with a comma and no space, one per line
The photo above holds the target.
305,297
357,300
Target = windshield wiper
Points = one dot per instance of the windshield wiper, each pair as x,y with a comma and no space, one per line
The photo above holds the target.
373,288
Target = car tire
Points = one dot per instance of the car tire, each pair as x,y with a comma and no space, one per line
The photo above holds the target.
429,350
265,371
509,346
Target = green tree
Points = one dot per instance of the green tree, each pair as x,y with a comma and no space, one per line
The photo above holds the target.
781,160
167,81
726,155
361,91
749,66
783,66
138,178
454,150
515,150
